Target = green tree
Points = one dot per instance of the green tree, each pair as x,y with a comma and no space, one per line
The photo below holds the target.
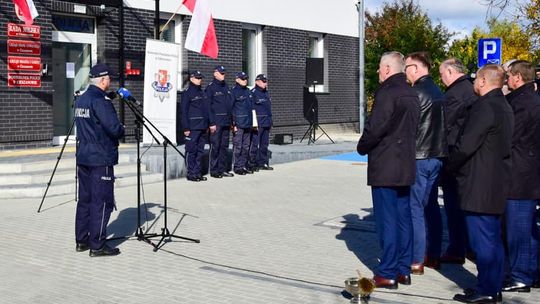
516,42
528,13
401,26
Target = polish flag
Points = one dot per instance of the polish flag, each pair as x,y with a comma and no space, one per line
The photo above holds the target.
26,11
201,36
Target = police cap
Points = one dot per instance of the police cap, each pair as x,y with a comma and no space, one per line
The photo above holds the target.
242,75
196,74
100,70
261,77
220,69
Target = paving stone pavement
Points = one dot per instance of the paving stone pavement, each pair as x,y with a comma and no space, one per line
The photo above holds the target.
291,235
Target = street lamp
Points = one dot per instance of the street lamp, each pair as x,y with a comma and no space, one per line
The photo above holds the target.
361,70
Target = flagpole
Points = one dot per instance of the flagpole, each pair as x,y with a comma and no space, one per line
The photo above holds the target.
168,21
156,21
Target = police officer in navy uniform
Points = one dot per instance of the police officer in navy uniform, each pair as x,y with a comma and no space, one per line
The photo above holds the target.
262,104
195,119
220,100
98,131
242,123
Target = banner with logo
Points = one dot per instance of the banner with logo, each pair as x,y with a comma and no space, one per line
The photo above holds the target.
160,81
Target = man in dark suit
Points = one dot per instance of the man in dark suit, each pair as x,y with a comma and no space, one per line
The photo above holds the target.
389,139
481,160
525,178
459,98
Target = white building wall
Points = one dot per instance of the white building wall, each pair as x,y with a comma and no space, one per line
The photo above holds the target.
322,16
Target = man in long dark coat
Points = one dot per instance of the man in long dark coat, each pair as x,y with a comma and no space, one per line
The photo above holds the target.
389,139
481,160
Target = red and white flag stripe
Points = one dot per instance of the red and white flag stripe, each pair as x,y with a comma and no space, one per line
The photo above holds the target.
26,11
201,36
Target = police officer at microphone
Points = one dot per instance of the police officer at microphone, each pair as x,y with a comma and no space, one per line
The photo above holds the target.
195,119
220,100
98,131
260,139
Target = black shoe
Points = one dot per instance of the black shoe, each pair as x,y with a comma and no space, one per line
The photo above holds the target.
81,247
253,169
240,172
216,175
474,298
516,287
248,171
227,174
202,178
469,291
536,283
104,251
194,179
266,167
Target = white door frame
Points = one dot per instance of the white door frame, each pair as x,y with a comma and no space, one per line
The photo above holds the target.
74,37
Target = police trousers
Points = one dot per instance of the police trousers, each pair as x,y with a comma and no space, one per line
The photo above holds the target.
96,202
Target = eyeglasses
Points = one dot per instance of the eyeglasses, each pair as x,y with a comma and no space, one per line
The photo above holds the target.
410,65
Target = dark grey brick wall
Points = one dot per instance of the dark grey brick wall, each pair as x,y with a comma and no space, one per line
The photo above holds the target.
26,114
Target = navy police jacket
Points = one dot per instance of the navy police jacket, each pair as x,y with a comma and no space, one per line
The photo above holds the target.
194,108
98,129
263,106
220,100
242,107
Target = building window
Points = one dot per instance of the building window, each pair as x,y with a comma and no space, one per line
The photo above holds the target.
252,52
173,33
167,32
316,50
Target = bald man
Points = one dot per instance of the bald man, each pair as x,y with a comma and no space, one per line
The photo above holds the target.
481,162
389,139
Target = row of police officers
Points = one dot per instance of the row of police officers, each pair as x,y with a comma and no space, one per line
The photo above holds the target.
218,110
246,112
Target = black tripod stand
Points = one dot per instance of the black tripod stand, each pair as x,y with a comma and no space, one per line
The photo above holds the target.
314,121
75,96
165,234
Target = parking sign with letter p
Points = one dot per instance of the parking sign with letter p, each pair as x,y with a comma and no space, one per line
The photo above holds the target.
489,51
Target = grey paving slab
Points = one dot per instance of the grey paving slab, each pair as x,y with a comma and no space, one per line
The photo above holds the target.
270,237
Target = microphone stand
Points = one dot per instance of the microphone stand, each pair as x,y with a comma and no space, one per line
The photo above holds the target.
165,232
75,96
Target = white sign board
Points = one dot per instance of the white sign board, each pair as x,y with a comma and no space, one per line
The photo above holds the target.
160,81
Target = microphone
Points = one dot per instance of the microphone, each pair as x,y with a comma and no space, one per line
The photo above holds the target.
126,95
112,95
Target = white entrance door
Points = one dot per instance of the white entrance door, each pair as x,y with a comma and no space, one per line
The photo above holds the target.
73,54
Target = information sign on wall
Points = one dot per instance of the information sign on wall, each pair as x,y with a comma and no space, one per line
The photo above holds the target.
23,31
24,80
24,47
18,63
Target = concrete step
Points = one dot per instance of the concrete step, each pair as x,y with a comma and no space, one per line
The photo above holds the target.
66,162
68,186
64,174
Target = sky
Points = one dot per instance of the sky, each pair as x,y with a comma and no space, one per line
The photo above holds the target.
459,16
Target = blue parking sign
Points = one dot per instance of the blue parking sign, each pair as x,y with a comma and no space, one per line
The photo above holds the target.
489,51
